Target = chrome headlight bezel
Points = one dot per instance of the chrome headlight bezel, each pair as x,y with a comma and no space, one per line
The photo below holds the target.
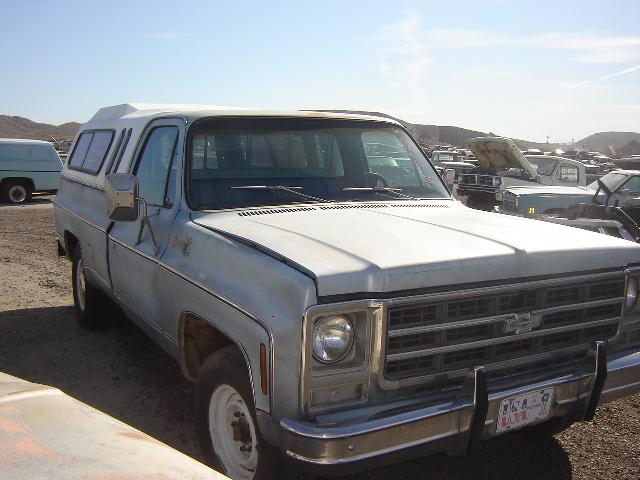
322,328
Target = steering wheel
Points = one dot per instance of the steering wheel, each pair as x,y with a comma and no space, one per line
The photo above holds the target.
373,178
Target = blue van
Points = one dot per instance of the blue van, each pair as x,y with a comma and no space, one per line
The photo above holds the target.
27,166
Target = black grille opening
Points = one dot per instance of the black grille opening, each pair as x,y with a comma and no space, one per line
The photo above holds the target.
413,316
465,358
560,319
601,332
558,340
414,342
468,309
563,295
472,333
411,367
603,311
519,348
517,301
604,290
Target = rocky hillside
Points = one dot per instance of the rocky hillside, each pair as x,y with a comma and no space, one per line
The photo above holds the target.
20,127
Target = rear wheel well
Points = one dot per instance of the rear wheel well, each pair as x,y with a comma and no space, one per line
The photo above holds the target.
198,339
27,180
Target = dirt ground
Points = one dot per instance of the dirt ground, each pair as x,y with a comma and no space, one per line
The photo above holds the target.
122,373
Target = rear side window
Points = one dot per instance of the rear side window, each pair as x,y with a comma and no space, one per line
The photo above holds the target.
91,150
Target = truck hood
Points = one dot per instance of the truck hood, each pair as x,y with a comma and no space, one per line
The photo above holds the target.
499,154
551,190
392,246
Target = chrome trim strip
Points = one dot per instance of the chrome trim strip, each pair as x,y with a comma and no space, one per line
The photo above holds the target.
498,341
400,332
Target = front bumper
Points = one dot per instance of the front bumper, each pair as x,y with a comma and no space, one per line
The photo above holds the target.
455,427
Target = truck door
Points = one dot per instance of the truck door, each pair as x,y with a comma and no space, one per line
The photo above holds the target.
136,247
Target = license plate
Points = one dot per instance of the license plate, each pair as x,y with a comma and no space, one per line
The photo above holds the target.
499,196
516,412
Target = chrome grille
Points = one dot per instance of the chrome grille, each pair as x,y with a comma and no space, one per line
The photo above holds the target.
449,336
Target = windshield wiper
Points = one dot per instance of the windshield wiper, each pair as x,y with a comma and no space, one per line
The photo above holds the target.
397,192
279,188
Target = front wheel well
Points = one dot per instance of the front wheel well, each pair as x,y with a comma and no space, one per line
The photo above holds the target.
70,243
197,340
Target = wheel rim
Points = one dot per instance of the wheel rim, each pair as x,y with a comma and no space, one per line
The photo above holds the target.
80,284
17,194
233,433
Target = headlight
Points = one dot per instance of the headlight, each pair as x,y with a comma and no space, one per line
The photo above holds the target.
631,296
497,181
332,338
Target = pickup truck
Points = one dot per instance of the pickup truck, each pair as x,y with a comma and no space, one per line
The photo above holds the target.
27,166
333,309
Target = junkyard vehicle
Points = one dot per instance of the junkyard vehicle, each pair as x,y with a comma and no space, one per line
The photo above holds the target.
332,311
501,165
47,435
453,160
609,205
27,166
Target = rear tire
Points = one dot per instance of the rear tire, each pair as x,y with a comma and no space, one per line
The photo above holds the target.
226,423
15,192
93,309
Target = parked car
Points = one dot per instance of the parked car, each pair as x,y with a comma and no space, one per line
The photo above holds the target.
329,311
501,165
48,435
27,166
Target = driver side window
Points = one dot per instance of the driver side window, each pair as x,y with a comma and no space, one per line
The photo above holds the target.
387,156
156,184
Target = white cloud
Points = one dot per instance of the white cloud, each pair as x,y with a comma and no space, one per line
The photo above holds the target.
403,60
625,71
588,48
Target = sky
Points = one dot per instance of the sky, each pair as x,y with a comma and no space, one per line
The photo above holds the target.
561,69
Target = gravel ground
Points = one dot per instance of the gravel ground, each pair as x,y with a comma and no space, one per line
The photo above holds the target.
122,373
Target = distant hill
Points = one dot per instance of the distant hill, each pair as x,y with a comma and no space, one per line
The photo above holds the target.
610,143
20,127
603,140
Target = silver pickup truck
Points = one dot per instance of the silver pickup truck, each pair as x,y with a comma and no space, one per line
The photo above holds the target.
333,309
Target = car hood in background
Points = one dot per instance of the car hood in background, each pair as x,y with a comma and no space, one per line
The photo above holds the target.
499,154
392,246
551,190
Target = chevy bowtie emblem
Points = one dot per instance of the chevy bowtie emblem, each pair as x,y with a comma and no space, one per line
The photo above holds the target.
522,322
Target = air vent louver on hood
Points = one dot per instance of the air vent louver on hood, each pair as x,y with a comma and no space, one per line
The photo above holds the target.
344,206
270,211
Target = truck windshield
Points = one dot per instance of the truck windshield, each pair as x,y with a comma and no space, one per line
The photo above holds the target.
334,160
612,180
542,166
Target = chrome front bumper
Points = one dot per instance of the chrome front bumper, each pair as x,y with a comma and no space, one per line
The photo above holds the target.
456,427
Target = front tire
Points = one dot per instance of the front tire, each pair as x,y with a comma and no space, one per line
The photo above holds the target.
226,421
15,192
92,308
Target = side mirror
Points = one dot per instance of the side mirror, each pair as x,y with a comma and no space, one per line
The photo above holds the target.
121,192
